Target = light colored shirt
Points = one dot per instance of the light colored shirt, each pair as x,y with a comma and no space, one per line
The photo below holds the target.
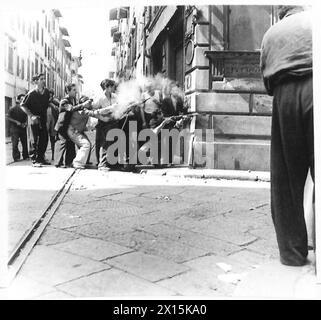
287,47
150,105
106,105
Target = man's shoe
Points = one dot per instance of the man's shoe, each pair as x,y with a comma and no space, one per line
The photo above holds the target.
104,169
45,162
37,164
78,167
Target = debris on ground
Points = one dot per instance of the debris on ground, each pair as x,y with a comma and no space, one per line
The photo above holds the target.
224,266
233,278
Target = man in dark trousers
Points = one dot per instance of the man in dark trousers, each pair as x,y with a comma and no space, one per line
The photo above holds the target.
18,123
286,64
35,105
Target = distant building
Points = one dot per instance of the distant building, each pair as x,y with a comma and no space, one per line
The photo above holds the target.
213,53
36,42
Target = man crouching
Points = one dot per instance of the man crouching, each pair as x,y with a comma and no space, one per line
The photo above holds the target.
77,127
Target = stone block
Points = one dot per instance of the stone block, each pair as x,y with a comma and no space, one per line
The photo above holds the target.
198,79
262,103
222,102
147,266
204,12
201,34
243,155
236,84
112,283
242,125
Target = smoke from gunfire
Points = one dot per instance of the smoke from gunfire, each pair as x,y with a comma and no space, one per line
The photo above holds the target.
130,92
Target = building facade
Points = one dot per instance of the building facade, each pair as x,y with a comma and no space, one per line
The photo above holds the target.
36,42
213,52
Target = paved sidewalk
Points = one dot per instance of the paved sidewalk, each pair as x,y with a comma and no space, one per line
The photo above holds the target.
123,234
29,191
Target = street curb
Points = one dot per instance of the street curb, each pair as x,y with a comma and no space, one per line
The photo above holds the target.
210,174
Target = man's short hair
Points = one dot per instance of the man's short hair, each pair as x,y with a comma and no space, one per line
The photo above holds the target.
51,91
69,86
107,83
37,76
283,10
19,96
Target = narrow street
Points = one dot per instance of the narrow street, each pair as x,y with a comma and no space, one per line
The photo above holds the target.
141,235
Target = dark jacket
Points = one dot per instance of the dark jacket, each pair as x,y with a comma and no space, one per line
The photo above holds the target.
66,106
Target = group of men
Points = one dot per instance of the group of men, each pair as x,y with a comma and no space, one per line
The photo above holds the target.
66,121
286,64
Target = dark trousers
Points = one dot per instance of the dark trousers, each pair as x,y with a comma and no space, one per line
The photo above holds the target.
39,142
292,154
102,143
16,135
66,151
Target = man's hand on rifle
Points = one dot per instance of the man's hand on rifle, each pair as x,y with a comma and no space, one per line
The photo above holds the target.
35,120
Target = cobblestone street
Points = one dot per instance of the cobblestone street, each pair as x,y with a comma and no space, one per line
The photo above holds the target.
118,234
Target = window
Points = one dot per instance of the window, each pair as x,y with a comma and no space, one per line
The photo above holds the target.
18,66
23,27
46,50
42,36
37,31
33,34
29,31
32,68
22,69
48,26
41,67
10,58
46,21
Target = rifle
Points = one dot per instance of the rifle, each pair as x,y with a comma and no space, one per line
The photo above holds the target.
132,105
174,119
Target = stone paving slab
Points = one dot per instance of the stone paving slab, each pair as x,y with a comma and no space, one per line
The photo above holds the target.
52,267
248,257
53,236
168,249
208,265
276,281
24,288
230,233
194,283
193,239
92,248
267,247
113,282
55,295
147,266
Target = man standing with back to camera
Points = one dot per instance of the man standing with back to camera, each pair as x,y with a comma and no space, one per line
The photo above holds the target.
35,105
286,64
